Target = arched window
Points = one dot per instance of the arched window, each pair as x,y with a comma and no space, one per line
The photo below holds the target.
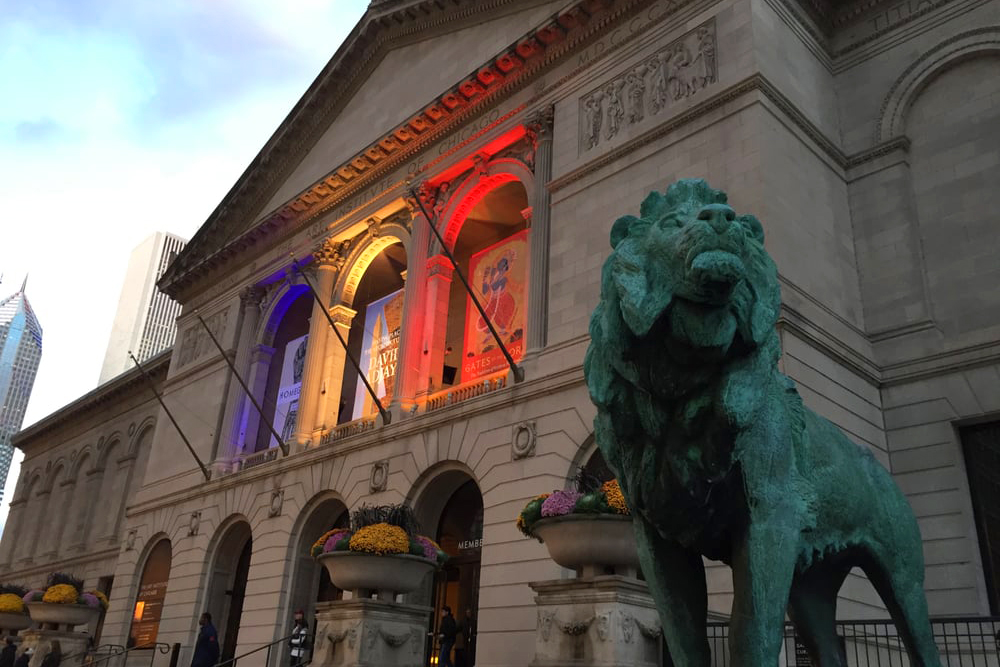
149,600
284,377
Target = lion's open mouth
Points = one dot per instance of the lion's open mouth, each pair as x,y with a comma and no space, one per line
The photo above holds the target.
714,274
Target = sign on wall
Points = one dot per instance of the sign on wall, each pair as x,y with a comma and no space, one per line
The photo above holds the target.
286,407
152,591
379,350
499,275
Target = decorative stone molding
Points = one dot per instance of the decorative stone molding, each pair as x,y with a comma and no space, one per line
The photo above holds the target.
331,253
130,538
194,523
342,315
226,235
277,500
379,478
522,442
680,70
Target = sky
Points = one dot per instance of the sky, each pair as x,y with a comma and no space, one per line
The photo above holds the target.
119,118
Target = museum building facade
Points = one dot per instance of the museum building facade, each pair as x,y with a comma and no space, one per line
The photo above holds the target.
861,134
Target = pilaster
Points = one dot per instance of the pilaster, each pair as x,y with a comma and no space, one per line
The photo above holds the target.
250,300
435,330
333,368
540,130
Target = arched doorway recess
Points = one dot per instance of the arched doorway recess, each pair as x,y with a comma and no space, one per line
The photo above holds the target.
450,509
228,584
149,597
310,583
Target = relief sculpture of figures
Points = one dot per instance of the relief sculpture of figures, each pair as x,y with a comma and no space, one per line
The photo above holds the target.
706,58
616,110
677,75
635,83
594,118
718,457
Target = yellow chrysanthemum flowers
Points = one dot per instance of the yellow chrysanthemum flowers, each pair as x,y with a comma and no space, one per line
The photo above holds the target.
11,603
61,594
381,538
616,500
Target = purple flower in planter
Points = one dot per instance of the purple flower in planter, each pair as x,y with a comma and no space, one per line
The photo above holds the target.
334,540
560,503
33,596
430,549
90,600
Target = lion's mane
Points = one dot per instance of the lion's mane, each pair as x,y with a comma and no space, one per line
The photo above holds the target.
668,353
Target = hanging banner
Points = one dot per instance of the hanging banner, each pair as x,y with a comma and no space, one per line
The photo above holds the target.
286,407
499,275
379,349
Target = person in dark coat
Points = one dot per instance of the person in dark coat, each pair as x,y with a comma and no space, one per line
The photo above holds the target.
54,656
24,658
448,630
206,648
9,653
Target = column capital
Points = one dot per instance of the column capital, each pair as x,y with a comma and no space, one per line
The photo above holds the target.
252,295
342,315
539,123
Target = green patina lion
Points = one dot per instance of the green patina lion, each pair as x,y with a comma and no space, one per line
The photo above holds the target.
717,455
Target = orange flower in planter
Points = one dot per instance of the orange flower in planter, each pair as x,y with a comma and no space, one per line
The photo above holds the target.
613,492
11,603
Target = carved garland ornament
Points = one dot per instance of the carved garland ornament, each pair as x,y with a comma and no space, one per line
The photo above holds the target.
680,70
379,477
523,439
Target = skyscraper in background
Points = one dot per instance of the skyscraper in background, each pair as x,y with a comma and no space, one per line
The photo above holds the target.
146,319
20,352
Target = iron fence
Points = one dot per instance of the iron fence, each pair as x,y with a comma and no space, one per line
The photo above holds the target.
962,642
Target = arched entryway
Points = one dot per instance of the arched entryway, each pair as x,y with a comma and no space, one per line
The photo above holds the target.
150,595
450,509
310,583
228,584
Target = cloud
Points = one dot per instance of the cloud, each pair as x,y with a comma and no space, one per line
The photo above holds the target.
122,118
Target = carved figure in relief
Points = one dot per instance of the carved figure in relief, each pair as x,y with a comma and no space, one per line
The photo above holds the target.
717,455
659,94
635,83
616,109
705,72
594,117
678,78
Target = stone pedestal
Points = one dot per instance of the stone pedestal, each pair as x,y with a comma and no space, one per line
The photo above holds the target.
40,642
370,633
605,620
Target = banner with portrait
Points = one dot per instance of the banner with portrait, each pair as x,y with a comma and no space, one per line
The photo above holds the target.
379,350
286,407
499,277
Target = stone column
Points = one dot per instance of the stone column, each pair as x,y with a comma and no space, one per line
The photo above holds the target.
327,258
249,423
333,368
409,364
236,401
361,631
540,125
435,329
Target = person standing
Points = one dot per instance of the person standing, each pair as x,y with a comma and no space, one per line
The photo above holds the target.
447,632
206,648
298,642
9,653
54,656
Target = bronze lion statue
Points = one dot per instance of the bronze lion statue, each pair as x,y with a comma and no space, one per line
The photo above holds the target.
718,457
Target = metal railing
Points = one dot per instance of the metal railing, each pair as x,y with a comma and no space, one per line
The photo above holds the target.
961,642
89,654
94,658
268,647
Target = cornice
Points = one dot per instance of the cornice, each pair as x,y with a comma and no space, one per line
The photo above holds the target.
223,235
109,392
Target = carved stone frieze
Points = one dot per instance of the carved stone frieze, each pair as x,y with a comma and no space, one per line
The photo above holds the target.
681,69
195,342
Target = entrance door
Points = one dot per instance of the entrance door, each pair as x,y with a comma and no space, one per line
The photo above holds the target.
236,596
981,444
460,534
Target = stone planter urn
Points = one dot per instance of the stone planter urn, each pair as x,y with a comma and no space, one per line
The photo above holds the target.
11,623
365,573
591,544
52,616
